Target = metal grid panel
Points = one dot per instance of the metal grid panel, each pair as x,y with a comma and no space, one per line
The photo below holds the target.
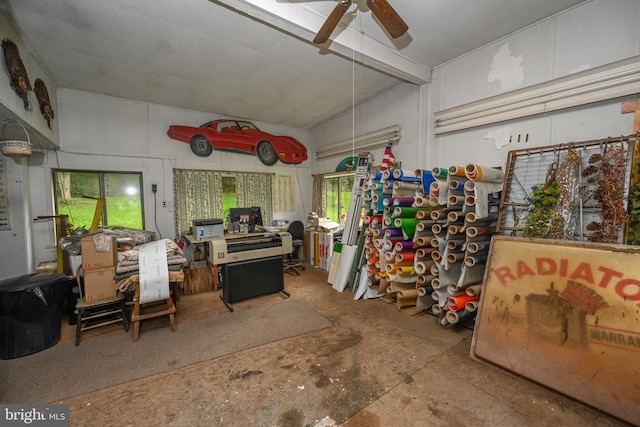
528,168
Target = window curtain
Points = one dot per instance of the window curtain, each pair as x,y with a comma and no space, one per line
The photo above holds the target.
256,189
197,194
318,198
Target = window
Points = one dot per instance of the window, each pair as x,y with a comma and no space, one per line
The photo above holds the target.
77,195
229,198
210,194
338,196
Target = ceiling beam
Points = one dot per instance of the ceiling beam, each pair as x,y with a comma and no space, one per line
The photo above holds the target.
302,21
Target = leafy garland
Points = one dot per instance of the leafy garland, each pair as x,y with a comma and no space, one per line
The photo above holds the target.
633,226
606,173
542,204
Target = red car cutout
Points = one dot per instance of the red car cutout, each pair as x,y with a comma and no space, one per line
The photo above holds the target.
240,136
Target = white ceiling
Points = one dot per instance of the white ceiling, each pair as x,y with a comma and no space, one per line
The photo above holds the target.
254,59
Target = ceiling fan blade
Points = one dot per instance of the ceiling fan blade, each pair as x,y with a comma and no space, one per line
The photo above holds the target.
332,21
388,17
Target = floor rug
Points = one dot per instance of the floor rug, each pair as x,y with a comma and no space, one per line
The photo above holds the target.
65,371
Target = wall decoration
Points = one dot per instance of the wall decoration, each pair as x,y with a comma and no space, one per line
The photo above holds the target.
43,99
242,137
17,72
576,191
347,164
564,314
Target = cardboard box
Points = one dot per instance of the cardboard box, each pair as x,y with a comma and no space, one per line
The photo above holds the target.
99,284
92,260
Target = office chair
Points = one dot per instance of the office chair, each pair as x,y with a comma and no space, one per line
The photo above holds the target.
294,265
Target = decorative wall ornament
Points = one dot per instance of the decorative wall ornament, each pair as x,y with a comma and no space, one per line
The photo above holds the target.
17,72
43,99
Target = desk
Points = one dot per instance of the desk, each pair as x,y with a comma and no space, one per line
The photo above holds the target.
203,245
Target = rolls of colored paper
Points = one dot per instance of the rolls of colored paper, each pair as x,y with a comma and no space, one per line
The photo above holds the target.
405,270
406,185
455,200
389,244
405,257
455,317
403,246
483,173
471,306
470,261
476,247
425,280
405,175
475,231
426,179
421,291
473,290
457,170
405,211
408,226
457,303
404,201
434,189
439,172
422,253
472,217
456,185
468,186
422,267
392,232
422,202
436,215
423,214
452,258
455,217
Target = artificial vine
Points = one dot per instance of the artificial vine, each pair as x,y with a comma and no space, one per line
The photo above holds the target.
570,198
633,225
606,173
542,204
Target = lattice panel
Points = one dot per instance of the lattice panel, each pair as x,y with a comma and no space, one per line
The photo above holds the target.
528,168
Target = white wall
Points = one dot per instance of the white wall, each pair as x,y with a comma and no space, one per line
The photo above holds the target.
15,255
111,134
10,100
593,34
404,105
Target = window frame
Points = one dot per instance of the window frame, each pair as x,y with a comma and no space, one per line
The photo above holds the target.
338,176
102,189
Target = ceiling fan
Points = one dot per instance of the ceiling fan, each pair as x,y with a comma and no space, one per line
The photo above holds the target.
387,16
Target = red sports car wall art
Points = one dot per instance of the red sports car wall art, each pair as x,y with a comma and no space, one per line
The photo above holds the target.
240,136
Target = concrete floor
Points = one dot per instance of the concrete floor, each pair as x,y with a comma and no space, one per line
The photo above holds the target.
376,366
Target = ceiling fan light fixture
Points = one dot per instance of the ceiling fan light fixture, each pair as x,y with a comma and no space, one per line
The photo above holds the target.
332,21
382,10
388,17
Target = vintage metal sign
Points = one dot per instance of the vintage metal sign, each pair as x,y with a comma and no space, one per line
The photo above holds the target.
567,315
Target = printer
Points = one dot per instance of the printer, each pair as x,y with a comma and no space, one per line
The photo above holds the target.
204,229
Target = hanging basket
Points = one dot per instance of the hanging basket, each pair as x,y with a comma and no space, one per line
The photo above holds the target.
14,147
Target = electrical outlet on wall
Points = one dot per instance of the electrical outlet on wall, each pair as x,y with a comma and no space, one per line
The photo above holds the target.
164,203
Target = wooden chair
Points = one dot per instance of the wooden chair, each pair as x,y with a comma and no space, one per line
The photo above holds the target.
93,314
175,277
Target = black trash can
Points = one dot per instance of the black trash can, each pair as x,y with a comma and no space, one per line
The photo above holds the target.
31,312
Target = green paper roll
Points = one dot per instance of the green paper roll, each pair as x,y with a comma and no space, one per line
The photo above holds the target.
408,226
